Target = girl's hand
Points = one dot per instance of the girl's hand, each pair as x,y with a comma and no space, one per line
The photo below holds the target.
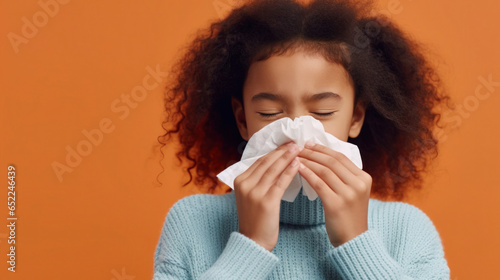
258,193
344,190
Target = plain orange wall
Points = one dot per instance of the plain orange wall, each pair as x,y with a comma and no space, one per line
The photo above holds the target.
103,219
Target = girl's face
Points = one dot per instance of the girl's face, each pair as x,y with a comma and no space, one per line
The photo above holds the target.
297,85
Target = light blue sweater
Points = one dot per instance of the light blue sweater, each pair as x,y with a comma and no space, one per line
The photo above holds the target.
200,240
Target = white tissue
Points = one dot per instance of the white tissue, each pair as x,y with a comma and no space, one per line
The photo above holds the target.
282,131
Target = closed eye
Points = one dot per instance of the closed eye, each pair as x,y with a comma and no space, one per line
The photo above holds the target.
264,115
325,114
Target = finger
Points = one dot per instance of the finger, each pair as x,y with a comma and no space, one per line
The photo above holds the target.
263,164
338,155
269,174
273,154
322,176
284,180
332,161
320,187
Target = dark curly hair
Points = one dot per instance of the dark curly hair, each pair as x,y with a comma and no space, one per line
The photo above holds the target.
390,74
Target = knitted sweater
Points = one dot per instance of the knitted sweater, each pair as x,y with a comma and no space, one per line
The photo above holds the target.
200,240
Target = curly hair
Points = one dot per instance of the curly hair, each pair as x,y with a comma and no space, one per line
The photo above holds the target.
390,73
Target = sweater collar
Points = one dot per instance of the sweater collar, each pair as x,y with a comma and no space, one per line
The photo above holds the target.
302,211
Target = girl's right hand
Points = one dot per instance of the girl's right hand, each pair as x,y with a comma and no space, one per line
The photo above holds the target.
259,190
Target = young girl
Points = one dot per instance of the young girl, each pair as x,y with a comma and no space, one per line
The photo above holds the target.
368,84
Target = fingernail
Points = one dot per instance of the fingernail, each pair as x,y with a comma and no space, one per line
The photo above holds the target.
309,144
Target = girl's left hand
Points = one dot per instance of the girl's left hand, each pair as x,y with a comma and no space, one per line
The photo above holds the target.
344,190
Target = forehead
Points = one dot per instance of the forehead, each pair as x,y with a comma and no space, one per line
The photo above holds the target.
297,73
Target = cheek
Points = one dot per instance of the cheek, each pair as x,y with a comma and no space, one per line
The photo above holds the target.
254,126
339,130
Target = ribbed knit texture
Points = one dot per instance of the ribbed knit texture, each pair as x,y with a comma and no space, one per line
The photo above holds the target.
200,240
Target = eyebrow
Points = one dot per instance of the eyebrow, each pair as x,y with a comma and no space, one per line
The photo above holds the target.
279,97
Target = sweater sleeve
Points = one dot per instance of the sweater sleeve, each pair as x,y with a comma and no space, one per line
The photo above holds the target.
170,259
242,258
420,253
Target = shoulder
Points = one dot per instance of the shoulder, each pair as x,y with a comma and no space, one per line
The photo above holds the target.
204,202
199,209
403,221
398,212
189,223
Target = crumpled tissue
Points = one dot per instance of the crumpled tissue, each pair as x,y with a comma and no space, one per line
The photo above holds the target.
281,131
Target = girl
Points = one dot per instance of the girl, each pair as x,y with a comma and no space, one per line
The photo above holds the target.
368,84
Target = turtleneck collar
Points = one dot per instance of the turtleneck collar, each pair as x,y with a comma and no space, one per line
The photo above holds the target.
302,211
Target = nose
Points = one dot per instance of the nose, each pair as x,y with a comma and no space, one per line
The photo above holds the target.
295,110
296,115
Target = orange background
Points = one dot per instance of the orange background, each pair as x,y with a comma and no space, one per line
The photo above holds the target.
103,219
